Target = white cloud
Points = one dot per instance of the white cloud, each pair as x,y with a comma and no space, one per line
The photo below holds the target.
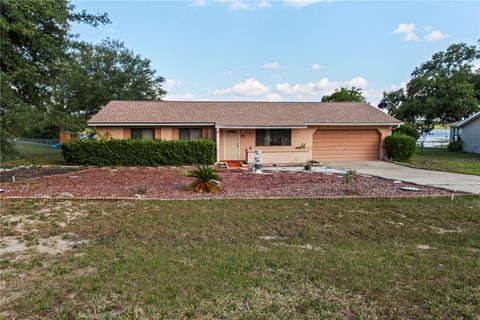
264,4
182,96
299,4
272,65
358,82
435,35
240,5
316,66
319,88
170,83
408,31
250,87
236,4
199,3
272,97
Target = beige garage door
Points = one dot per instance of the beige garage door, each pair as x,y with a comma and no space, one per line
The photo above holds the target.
346,144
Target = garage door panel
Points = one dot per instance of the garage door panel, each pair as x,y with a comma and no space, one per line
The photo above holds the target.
345,144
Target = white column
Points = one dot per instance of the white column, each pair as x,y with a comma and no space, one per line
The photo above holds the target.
217,142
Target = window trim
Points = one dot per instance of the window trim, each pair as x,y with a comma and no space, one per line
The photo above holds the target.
270,145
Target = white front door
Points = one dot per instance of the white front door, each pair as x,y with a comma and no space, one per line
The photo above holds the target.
232,145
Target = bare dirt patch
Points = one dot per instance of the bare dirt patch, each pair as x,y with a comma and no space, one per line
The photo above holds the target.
26,173
170,183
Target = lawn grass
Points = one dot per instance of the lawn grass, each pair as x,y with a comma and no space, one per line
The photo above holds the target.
257,259
442,160
34,154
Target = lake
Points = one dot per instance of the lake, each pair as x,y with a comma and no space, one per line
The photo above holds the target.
437,138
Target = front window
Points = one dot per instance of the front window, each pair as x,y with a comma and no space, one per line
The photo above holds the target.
273,137
143,133
190,133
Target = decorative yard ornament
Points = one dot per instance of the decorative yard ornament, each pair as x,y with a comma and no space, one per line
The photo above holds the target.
257,167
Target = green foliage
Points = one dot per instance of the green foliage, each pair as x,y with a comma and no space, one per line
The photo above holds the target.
345,95
349,179
443,89
206,180
455,146
400,147
138,152
97,74
50,81
408,129
35,39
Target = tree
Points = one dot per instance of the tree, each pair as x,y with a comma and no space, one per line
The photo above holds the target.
51,81
345,95
35,36
96,74
442,90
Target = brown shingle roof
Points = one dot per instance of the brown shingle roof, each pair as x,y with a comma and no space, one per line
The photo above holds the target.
223,113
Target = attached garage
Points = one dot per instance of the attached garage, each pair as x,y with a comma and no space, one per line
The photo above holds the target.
346,144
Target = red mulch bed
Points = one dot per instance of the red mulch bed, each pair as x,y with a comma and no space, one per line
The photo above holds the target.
169,183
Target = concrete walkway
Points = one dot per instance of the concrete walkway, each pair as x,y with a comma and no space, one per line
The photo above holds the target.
447,180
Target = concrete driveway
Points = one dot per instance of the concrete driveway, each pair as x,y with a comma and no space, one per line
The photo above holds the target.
447,180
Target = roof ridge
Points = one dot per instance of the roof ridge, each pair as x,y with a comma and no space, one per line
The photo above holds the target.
246,101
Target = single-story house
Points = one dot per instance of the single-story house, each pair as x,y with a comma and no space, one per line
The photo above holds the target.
285,132
468,131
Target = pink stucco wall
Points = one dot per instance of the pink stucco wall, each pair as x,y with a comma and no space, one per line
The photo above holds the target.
274,154
290,154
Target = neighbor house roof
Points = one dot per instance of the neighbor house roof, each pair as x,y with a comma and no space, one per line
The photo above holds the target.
463,123
245,114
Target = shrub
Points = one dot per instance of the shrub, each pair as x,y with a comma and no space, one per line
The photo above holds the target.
349,179
400,147
138,152
206,180
408,129
455,146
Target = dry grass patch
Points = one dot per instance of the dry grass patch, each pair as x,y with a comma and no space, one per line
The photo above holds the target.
253,259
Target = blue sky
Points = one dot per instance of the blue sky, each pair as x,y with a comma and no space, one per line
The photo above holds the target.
283,50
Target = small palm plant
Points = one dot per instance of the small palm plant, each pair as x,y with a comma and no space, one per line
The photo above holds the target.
206,180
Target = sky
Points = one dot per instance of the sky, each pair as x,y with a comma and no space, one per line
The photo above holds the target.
283,50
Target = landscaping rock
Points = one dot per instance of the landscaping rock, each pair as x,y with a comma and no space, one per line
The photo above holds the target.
42,196
409,189
171,184
65,195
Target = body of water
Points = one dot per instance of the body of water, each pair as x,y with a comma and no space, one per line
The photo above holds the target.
437,138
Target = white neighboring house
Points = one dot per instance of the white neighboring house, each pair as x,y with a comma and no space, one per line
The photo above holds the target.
468,131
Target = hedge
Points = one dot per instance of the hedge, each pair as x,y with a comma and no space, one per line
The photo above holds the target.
400,147
138,152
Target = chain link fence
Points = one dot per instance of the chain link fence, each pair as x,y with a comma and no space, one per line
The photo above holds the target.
32,152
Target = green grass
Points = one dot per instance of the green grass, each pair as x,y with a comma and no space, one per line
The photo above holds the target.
210,259
34,154
442,160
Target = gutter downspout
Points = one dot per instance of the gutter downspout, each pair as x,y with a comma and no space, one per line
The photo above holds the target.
217,143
